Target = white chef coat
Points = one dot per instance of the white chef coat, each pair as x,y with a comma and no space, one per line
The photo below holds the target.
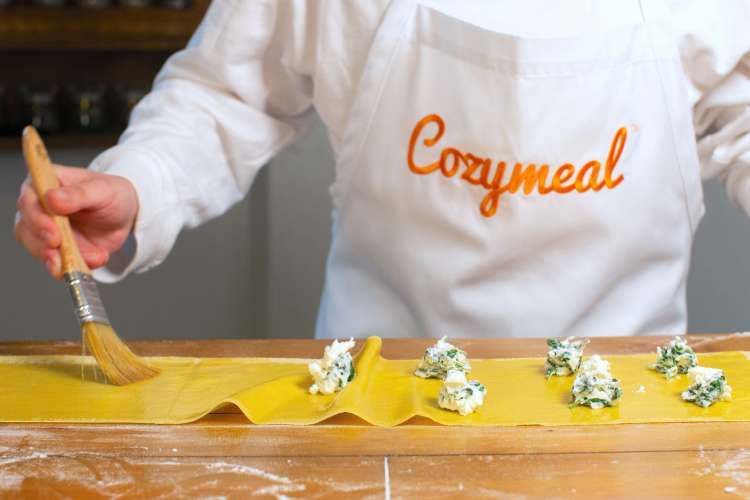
244,88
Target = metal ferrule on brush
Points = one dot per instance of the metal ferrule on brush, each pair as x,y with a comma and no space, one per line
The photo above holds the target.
85,295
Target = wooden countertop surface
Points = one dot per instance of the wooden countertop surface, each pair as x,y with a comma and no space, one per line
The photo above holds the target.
224,456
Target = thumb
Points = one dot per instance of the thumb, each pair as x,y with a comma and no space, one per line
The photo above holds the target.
87,195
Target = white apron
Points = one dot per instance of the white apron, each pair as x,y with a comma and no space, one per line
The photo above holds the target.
499,186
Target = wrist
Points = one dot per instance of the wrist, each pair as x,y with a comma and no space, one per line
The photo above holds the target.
132,203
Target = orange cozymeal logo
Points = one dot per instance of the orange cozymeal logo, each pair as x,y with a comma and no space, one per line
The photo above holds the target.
482,171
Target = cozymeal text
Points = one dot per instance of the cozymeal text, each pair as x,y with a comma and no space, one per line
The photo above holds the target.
478,170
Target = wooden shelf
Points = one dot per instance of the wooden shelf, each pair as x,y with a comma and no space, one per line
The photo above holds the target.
66,140
73,66
69,28
114,46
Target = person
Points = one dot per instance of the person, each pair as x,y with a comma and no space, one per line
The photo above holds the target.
503,168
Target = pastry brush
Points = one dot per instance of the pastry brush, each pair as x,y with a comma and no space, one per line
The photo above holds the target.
118,363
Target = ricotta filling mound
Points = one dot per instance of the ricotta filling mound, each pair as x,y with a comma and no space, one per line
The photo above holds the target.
564,356
460,395
709,386
441,358
335,370
594,385
674,358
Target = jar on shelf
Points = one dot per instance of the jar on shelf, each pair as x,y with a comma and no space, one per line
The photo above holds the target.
40,107
176,4
134,3
94,4
124,100
86,107
50,3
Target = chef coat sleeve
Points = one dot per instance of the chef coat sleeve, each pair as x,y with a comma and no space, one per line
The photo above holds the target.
715,50
219,110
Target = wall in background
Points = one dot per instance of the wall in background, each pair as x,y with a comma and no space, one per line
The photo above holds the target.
299,220
258,270
719,284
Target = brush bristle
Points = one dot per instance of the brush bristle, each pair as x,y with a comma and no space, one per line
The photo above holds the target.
118,363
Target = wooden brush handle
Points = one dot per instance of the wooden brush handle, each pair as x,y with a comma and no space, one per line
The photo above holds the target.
43,178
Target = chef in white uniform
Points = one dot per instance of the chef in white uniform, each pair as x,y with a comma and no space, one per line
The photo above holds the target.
503,168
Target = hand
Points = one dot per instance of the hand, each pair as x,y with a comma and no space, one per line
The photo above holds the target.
102,209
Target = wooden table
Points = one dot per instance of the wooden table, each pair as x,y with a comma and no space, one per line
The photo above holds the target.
224,456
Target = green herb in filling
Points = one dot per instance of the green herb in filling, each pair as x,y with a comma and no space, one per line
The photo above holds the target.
674,358
460,395
439,359
564,356
335,370
709,386
594,385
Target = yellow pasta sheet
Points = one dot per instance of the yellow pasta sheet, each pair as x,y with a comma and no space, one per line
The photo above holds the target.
384,392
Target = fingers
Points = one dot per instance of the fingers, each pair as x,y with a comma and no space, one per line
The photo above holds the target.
49,255
52,263
90,194
47,250
35,217
72,175
35,229
51,258
95,258
80,189
31,209
93,255
37,247
29,239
